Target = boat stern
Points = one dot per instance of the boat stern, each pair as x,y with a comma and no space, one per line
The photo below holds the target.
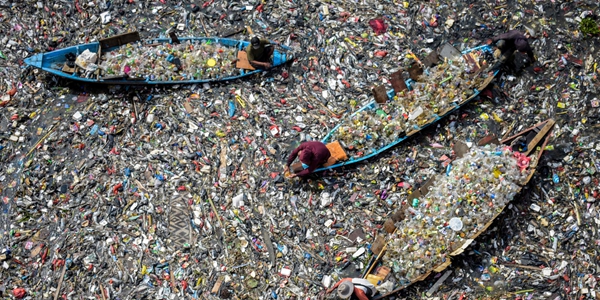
35,61
280,58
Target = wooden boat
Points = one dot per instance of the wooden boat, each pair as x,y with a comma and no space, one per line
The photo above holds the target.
55,62
532,143
342,158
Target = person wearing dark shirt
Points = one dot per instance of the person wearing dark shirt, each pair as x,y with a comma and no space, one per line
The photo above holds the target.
311,155
510,42
259,53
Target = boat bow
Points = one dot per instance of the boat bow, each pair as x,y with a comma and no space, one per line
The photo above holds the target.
35,60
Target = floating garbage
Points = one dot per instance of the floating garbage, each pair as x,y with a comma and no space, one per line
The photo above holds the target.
171,193
458,204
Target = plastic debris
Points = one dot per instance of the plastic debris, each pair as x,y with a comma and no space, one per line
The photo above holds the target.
122,192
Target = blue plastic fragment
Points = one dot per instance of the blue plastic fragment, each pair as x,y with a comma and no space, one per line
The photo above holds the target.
231,109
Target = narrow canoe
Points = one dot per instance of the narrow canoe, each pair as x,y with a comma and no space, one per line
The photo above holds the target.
373,106
533,145
54,61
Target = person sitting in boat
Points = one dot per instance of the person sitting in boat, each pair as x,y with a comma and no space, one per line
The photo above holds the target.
510,42
311,155
357,287
259,53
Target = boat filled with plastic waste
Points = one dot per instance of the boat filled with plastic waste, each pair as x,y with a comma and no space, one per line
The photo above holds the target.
439,91
129,60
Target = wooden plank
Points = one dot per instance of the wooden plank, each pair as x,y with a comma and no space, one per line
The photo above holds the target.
462,248
380,94
445,111
188,107
415,71
102,291
508,139
242,61
486,82
490,139
546,140
472,62
520,266
223,164
389,226
378,244
432,59
380,254
442,266
438,283
383,271
539,136
172,278
217,286
397,81
62,276
429,122
68,69
119,40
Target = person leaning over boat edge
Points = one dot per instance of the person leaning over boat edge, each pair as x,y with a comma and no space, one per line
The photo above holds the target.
311,155
357,287
259,53
510,42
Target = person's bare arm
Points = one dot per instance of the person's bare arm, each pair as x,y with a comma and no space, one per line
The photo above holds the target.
360,294
263,65
338,284
253,62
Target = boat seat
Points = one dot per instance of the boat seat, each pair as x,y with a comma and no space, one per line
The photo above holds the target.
337,154
242,62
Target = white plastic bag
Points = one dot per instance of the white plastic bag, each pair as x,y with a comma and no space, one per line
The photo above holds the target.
87,60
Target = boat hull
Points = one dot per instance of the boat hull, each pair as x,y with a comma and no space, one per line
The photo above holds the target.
372,105
52,62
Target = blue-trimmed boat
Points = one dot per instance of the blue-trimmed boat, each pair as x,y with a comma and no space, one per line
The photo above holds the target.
373,106
54,62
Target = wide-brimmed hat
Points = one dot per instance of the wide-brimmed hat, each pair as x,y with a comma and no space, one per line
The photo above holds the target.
345,289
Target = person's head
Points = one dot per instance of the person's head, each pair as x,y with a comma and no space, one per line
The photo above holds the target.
305,156
345,289
255,41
